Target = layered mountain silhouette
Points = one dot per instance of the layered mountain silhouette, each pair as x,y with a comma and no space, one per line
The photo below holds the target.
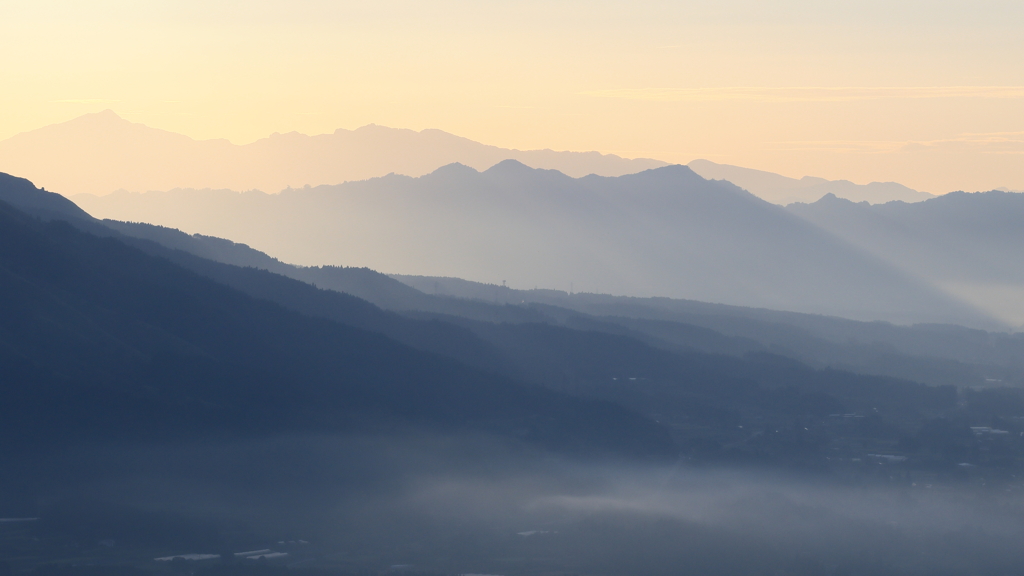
662,232
102,341
783,190
206,407
100,153
967,243
935,354
115,338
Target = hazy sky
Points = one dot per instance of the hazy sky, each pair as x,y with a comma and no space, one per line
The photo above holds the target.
928,93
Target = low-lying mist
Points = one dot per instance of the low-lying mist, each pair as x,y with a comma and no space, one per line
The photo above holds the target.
479,505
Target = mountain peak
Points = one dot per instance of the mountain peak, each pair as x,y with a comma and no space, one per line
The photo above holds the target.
831,199
510,166
666,174
675,169
455,168
511,170
104,116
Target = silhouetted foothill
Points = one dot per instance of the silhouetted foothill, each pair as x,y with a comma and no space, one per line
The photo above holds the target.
119,344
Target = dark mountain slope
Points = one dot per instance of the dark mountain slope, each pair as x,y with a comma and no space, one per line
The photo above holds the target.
549,345
430,335
701,397
259,275
101,340
363,283
590,357
587,362
22,193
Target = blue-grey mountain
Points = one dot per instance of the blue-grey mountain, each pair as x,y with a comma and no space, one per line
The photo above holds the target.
662,232
783,190
969,245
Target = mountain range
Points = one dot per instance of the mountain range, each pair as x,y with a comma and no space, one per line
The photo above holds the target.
968,244
662,232
102,152
783,190
932,354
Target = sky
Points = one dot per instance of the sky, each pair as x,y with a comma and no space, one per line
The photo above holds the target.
926,93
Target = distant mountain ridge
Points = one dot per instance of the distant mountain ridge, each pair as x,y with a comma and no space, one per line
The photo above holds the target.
970,244
782,190
661,232
100,153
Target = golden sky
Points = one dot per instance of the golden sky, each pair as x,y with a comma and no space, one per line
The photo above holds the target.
927,93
